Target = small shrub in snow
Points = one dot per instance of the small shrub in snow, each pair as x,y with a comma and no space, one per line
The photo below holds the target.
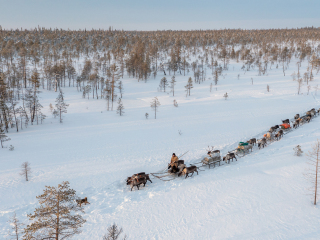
147,115
55,113
297,151
114,233
225,96
175,103
120,107
15,227
11,148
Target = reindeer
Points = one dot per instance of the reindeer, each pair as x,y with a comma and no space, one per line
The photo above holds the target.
212,152
281,133
262,143
297,123
187,170
81,201
137,181
268,136
229,156
272,129
138,175
252,141
307,118
286,121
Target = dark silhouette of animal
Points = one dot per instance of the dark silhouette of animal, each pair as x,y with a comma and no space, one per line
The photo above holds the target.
318,111
296,116
129,179
281,133
81,201
252,141
262,143
296,123
138,175
286,121
138,180
272,129
276,126
307,118
188,170
229,156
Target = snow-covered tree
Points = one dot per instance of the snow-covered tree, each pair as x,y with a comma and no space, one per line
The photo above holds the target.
58,217
61,105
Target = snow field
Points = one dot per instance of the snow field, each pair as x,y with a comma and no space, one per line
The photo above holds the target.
261,196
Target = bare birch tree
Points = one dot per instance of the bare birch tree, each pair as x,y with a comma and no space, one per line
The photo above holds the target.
61,105
299,85
312,174
15,227
25,170
155,105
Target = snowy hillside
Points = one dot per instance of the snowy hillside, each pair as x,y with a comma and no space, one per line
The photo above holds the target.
261,196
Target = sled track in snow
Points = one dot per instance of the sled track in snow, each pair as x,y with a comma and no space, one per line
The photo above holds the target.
161,175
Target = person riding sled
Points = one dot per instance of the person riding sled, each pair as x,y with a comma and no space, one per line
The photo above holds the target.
174,163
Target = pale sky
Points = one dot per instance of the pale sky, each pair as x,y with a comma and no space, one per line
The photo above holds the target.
160,14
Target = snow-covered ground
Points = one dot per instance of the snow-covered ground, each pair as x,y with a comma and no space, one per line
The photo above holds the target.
262,196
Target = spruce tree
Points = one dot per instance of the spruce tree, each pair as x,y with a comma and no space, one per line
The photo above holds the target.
189,86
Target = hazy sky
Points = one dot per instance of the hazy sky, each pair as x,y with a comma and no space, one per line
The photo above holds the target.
160,14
